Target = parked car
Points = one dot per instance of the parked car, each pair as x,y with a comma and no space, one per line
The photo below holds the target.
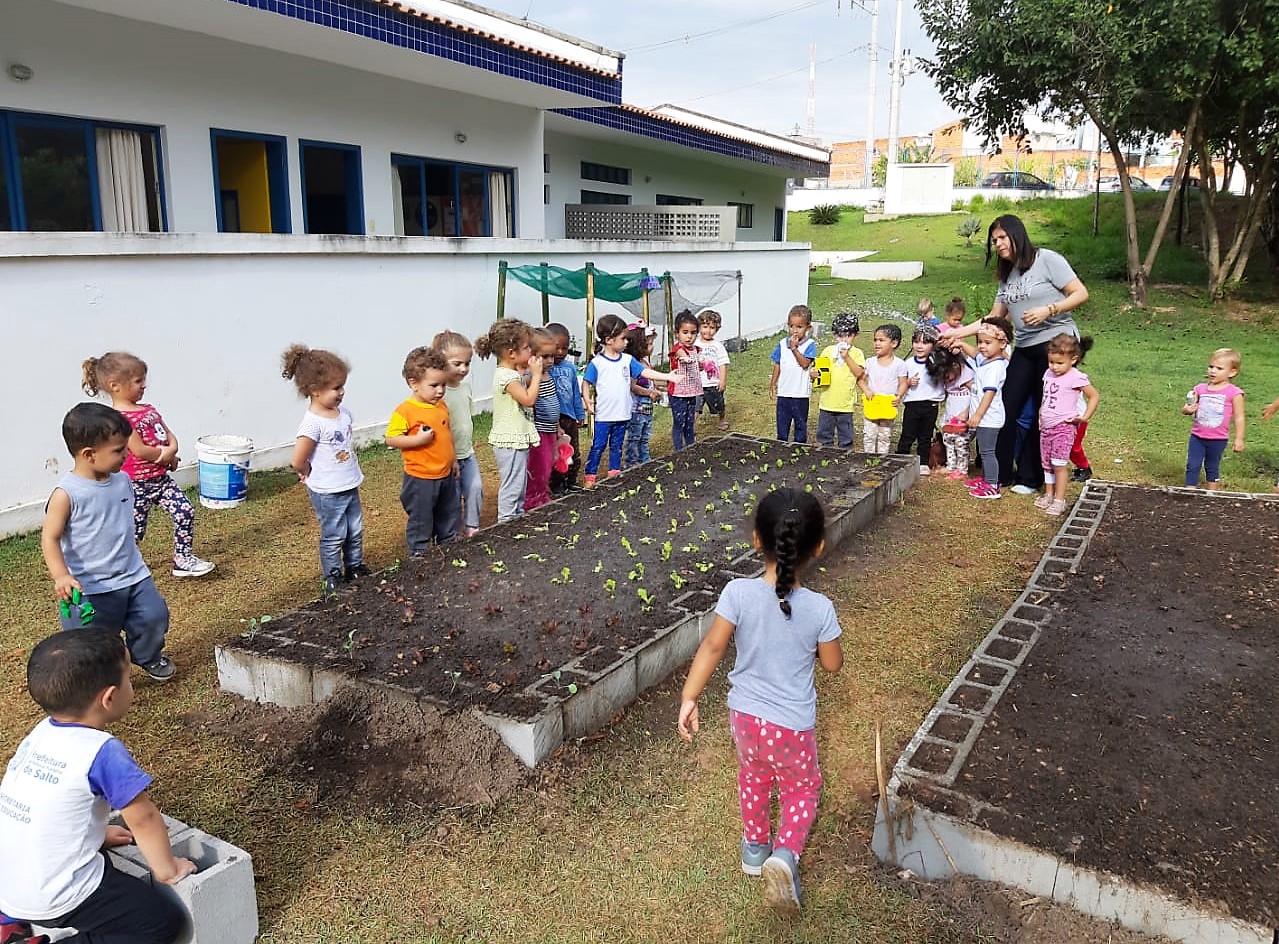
1191,182
1113,185
1016,180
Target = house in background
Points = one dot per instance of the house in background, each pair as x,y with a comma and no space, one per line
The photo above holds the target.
204,182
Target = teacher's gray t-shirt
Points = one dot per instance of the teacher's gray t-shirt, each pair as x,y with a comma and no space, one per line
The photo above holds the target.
1040,285
773,675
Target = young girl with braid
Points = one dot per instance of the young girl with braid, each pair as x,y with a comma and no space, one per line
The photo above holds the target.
782,630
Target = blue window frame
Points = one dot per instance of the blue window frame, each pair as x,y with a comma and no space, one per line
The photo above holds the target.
332,188
250,182
53,176
442,198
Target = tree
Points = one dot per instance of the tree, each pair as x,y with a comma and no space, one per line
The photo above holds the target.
1135,69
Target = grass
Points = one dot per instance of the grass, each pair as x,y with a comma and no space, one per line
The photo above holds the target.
632,837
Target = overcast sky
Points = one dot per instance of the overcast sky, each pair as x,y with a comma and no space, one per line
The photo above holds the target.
754,73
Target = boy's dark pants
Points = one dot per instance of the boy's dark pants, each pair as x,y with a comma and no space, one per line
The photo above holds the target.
831,425
563,480
919,422
434,507
123,910
792,411
139,610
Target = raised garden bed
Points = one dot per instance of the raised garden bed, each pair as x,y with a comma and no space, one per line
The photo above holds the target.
1114,742
549,624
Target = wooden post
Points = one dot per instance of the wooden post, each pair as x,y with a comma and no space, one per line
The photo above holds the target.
741,345
589,342
644,297
501,290
670,315
546,298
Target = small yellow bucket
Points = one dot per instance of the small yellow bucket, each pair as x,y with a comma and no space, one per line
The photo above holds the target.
879,407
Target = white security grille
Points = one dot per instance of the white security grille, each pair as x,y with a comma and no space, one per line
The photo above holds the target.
672,223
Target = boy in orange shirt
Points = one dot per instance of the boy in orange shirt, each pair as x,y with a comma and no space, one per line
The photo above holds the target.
419,428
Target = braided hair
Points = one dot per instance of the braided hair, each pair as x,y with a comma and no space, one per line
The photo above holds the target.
790,525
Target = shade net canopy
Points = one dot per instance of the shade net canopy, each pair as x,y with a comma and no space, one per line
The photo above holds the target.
569,283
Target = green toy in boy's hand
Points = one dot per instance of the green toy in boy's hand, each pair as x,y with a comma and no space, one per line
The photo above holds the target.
77,600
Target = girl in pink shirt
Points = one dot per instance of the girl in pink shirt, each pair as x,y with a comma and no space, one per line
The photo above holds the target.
153,454
1213,405
1070,400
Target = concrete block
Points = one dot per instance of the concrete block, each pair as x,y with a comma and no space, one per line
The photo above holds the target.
282,682
530,739
237,671
597,704
220,898
659,658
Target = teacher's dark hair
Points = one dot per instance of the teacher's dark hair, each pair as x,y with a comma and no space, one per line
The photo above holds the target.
1024,251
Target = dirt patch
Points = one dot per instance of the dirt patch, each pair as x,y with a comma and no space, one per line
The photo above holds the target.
534,608
1141,735
984,911
367,750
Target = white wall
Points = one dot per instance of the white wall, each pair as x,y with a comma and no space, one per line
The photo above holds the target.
918,188
211,315
91,65
654,172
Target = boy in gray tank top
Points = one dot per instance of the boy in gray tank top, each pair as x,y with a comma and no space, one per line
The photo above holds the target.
89,546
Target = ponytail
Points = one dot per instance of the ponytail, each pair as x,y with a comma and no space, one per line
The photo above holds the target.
790,525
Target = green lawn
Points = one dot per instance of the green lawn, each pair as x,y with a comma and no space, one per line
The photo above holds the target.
632,837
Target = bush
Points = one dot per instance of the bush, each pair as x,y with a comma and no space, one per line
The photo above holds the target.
825,215
958,205
968,228
977,202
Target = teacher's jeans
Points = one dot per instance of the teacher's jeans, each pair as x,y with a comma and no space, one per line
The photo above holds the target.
1024,383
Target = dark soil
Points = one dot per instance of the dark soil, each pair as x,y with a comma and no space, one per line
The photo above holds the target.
589,578
1140,737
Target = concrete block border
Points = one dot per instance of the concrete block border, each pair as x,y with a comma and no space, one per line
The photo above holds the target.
576,701
938,845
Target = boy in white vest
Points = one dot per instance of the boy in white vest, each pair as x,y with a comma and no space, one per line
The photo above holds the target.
58,792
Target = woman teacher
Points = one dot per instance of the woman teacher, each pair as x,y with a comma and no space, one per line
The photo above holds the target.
1037,292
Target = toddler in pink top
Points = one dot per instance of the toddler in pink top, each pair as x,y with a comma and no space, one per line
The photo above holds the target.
1214,405
153,454
1070,399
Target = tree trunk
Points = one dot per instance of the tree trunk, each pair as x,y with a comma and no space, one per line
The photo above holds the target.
1136,274
1260,180
1212,239
1174,192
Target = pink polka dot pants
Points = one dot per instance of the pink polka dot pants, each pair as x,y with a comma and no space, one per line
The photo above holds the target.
768,756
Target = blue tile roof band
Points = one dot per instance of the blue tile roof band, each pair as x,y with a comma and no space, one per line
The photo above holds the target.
396,28
651,126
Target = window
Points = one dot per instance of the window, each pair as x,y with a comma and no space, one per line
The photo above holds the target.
75,175
597,196
435,198
606,174
667,200
745,214
251,183
546,194
332,188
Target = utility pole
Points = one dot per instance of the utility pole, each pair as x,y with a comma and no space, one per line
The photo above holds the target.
870,97
895,88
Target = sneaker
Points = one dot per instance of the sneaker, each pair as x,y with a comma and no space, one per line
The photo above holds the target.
359,570
161,670
957,474
1056,508
472,532
1023,490
781,881
332,582
754,855
984,490
614,473
588,481
973,483
1043,500
1081,474
192,567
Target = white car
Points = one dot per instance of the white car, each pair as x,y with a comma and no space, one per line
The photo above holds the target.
1191,182
1113,185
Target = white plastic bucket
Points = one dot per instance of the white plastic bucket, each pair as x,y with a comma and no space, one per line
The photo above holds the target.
224,470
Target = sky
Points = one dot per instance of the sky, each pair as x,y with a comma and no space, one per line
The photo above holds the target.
754,73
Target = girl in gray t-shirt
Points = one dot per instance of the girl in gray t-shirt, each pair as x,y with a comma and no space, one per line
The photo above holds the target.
782,631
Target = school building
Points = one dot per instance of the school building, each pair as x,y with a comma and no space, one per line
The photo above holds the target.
203,182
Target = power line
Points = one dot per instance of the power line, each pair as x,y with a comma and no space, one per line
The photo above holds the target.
771,78
692,37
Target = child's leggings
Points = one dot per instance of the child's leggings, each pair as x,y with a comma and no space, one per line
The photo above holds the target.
1077,457
163,491
877,436
1205,454
472,486
512,475
610,434
769,755
540,459
986,439
683,421
638,433
956,451
919,420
